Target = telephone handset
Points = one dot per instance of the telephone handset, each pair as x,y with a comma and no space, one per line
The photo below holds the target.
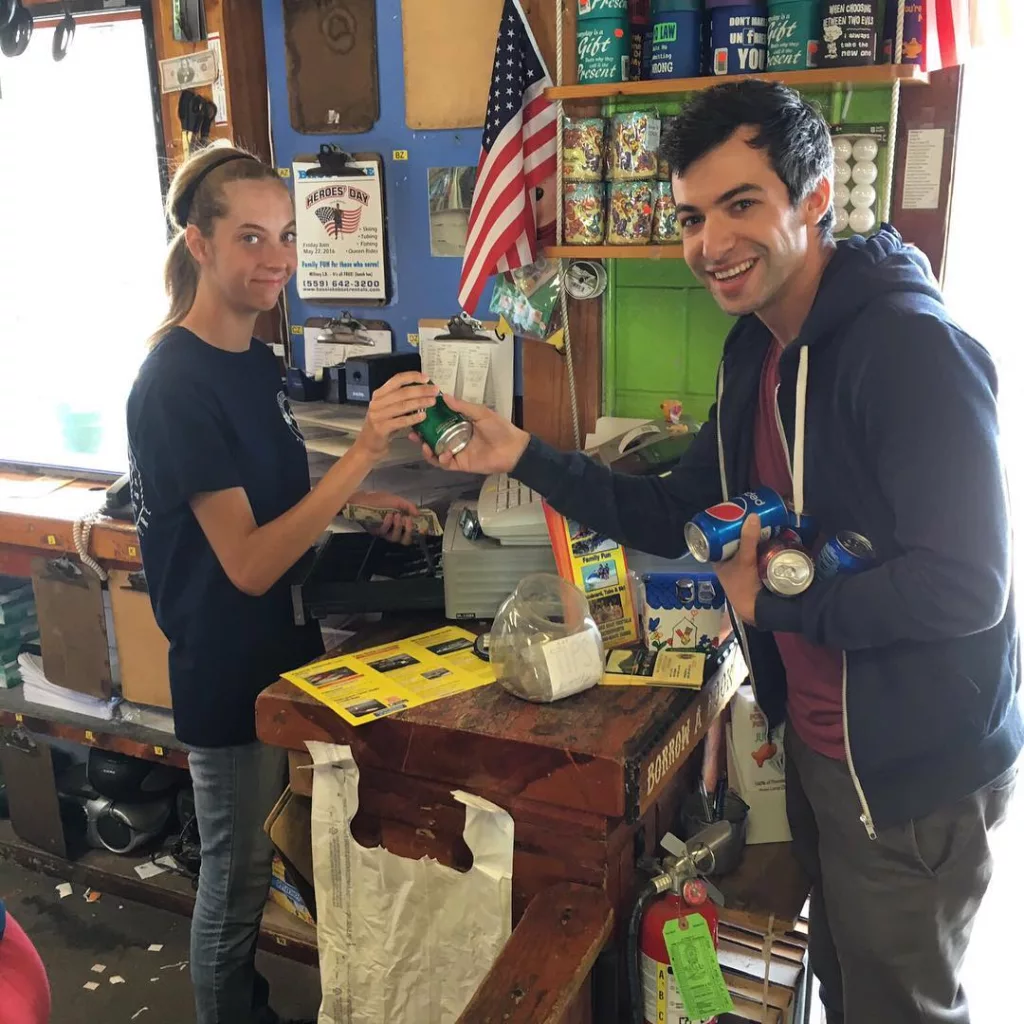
118,502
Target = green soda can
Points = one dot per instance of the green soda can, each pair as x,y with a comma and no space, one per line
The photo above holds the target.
443,429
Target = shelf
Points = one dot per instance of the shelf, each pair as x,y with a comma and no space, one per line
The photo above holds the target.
878,75
613,252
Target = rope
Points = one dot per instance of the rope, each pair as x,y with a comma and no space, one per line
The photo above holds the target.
570,370
894,111
81,532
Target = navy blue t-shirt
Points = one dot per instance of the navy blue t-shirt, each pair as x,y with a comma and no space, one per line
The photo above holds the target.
203,419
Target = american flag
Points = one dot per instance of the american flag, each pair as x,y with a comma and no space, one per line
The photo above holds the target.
952,28
337,221
517,155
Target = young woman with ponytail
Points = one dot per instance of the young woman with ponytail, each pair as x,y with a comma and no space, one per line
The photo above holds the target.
223,505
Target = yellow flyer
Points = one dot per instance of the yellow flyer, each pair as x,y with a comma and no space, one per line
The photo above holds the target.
379,681
597,565
640,667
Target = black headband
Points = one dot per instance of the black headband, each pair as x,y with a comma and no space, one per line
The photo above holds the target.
184,203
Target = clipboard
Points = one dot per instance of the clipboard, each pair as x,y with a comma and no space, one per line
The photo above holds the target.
317,354
341,228
477,369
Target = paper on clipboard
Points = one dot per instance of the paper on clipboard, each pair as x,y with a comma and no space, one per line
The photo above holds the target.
483,370
318,354
339,223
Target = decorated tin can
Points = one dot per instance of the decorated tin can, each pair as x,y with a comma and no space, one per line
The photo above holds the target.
602,41
683,610
913,32
639,43
793,27
849,33
737,37
632,151
675,38
584,212
666,224
583,149
630,213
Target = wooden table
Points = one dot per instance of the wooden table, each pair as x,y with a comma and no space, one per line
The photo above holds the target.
592,783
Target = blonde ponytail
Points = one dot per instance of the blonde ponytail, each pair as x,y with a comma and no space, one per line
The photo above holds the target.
196,196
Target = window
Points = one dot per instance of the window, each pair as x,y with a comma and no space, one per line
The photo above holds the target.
82,241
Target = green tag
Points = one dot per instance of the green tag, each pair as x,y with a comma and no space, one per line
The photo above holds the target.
691,952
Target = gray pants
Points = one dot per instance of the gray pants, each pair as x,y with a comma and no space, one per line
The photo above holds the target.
235,790
890,918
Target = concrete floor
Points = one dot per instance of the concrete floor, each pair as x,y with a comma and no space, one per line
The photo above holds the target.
73,935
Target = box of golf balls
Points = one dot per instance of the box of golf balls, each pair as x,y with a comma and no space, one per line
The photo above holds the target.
859,169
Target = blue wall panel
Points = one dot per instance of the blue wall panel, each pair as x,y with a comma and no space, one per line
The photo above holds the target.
422,286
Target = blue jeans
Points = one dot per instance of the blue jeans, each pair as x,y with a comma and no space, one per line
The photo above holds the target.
235,789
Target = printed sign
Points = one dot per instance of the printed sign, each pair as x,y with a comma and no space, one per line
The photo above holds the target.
340,227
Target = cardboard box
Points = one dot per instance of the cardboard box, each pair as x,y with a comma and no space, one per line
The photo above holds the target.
141,647
288,826
683,610
300,773
757,769
285,895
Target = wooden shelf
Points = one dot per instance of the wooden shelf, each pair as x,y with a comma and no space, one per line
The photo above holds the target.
612,252
878,75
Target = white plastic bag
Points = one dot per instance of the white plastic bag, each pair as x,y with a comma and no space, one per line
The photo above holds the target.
402,941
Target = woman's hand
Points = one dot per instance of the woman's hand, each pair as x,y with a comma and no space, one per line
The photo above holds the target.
398,525
395,408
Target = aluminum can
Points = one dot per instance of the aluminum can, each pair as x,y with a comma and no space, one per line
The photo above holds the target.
845,553
785,566
714,534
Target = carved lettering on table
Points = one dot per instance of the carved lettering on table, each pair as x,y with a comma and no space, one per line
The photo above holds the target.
661,763
339,27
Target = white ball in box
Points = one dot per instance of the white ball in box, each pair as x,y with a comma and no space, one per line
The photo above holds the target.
757,769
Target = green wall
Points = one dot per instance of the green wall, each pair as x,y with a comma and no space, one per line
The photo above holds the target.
663,331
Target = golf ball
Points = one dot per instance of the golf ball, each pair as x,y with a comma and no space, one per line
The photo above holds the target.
862,196
843,149
862,220
864,172
843,173
841,196
865,149
842,220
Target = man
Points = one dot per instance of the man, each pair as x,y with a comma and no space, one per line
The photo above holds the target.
845,386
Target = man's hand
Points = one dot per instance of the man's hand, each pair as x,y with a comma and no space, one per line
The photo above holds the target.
739,576
496,445
397,525
395,407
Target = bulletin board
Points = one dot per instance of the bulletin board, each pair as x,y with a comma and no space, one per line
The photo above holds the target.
448,48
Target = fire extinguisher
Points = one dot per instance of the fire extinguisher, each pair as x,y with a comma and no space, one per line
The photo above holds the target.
674,894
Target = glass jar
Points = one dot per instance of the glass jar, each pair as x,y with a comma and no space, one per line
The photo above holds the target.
544,643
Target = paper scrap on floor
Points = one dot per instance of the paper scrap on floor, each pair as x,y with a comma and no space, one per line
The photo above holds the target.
91,986
64,889
116,979
148,870
98,968
155,947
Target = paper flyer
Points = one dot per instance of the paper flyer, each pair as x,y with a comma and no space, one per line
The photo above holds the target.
640,667
597,565
371,684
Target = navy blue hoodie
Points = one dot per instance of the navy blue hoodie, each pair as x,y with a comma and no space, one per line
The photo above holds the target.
888,411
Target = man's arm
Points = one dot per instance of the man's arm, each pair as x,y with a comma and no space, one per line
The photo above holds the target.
643,512
647,513
930,418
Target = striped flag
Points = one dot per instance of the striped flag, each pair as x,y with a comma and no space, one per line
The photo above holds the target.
518,154
952,28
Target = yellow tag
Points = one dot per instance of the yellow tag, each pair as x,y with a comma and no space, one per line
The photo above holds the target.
19,718
133,552
400,154
51,540
297,328
159,751
557,340
89,737
504,328
284,172
413,339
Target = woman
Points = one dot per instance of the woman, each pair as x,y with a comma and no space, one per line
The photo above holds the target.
223,506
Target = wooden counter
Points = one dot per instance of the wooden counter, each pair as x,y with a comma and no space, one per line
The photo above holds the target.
35,518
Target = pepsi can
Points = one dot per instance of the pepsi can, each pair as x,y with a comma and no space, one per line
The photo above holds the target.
785,565
714,534
845,553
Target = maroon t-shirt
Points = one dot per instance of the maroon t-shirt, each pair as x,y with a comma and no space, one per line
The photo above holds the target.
814,675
